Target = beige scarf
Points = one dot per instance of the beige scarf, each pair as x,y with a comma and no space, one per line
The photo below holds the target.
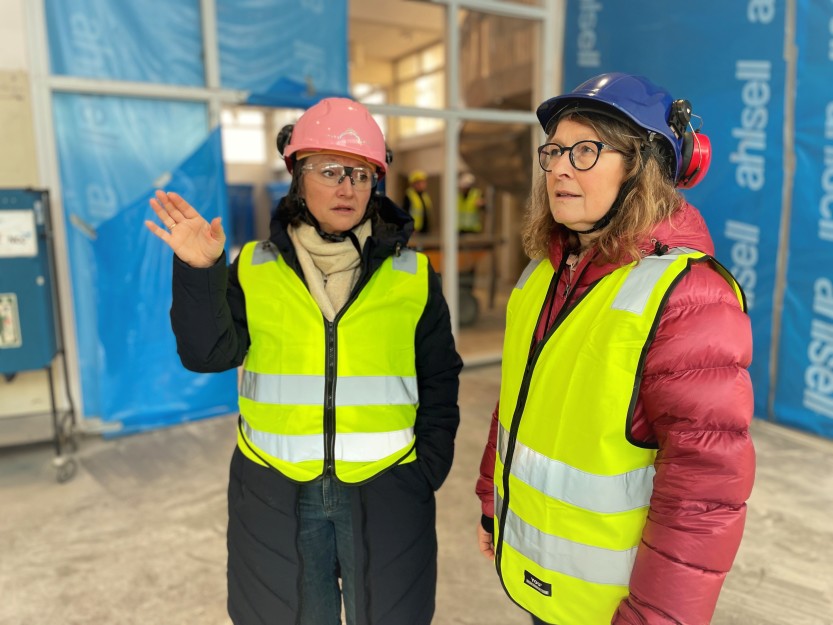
331,269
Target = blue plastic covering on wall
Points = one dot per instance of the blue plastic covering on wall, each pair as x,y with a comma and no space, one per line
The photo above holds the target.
155,41
143,385
277,190
112,152
241,214
733,73
284,52
804,392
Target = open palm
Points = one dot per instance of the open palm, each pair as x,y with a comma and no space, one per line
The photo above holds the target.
192,238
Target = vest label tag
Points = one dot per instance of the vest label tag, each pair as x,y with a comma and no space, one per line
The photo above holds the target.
542,587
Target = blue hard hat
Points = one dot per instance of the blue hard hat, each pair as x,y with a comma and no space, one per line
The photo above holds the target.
633,97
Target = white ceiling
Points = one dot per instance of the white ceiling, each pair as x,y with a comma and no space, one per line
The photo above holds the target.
385,30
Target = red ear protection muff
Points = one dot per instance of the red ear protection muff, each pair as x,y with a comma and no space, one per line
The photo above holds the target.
696,155
695,149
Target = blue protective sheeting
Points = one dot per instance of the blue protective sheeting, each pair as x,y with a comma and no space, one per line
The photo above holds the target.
241,225
284,51
734,81
154,41
804,392
113,151
143,385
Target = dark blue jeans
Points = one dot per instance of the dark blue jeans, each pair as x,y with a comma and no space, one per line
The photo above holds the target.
325,539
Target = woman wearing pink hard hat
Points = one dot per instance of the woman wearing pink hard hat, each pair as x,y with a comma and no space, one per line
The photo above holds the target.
348,396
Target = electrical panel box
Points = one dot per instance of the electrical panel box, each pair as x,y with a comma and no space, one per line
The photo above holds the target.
28,337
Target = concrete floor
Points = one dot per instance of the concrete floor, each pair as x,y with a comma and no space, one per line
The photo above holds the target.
138,536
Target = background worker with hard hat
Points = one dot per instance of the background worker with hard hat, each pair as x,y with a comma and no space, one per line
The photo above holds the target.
614,482
348,397
470,204
417,201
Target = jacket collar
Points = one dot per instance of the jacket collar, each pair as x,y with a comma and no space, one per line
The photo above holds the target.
387,239
684,228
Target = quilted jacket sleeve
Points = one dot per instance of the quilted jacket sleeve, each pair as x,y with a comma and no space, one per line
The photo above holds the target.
438,370
485,487
208,317
695,402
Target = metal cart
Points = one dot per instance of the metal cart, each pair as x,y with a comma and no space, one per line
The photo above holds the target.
471,250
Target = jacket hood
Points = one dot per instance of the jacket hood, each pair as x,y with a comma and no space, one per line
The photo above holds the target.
684,228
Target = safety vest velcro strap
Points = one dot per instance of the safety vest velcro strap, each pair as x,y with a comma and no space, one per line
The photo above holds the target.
308,390
264,252
606,494
354,447
586,562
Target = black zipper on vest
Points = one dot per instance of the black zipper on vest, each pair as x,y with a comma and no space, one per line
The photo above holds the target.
330,378
331,374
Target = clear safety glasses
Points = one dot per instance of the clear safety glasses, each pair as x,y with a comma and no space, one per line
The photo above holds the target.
333,174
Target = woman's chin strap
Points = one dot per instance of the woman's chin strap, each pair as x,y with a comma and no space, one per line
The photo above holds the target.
610,214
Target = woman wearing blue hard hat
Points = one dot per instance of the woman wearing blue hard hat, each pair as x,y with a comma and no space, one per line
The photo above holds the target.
614,482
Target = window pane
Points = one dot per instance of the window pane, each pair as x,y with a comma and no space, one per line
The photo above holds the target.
243,145
433,58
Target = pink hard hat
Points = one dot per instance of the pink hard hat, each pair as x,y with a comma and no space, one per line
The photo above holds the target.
341,125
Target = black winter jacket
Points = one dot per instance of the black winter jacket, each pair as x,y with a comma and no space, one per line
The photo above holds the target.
393,513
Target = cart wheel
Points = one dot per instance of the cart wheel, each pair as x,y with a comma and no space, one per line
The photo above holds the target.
469,308
66,469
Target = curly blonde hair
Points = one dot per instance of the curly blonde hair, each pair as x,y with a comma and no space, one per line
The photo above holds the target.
650,198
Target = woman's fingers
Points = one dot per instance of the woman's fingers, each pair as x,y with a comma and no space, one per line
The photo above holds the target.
484,542
164,216
175,207
159,232
182,206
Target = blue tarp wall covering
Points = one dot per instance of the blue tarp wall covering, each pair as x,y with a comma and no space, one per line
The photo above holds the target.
728,59
114,151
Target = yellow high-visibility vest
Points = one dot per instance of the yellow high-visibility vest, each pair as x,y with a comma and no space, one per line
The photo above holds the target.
571,491
420,207
317,396
468,211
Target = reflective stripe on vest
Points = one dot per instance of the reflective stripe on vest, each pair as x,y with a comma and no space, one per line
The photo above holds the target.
584,562
607,494
285,388
349,447
308,390
571,492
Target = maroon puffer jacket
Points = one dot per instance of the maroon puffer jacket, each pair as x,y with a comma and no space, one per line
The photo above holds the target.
695,403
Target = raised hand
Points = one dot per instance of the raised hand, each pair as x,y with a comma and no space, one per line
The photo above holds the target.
192,238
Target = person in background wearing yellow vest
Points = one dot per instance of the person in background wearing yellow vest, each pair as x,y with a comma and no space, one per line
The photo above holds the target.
417,201
470,204
348,396
614,481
